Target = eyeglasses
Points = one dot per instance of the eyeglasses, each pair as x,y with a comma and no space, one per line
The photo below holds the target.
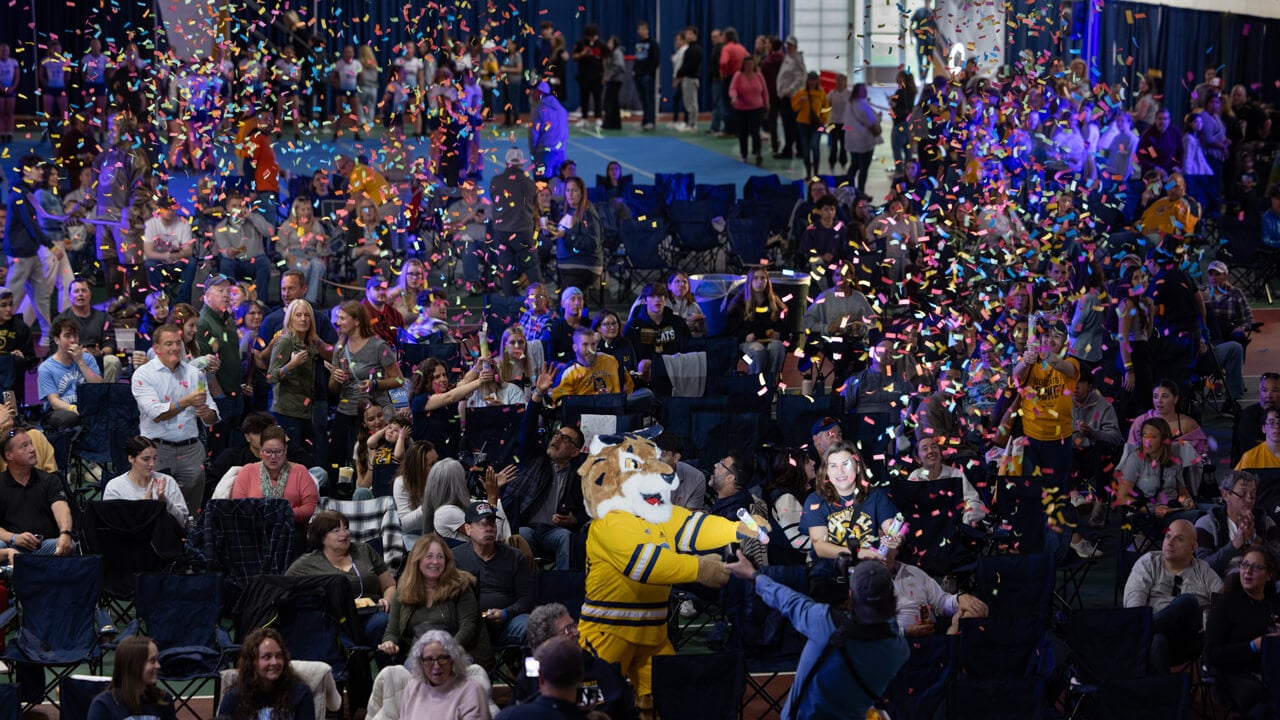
429,660
1271,422
1248,496
279,451
1177,585
1257,567
726,468
569,631
562,435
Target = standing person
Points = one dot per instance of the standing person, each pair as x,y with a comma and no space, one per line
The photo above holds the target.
344,77
266,685
134,691
119,174
215,335
365,368
93,73
731,56
53,75
769,63
648,56
26,244
750,101
615,69
10,74
900,107
579,248
848,661
677,100
292,370
861,134
925,30
548,131
560,673
837,99
689,77
589,52
172,395
367,88
810,108
253,145
96,335
719,85
515,204
791,79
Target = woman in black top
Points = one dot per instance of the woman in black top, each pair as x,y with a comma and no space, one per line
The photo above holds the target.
265,681
1238,621
434,403
756,319
612,343
900,106
134,690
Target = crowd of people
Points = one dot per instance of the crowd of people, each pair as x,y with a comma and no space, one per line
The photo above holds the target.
1028,301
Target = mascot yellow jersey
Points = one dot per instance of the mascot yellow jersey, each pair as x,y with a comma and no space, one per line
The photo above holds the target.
632,564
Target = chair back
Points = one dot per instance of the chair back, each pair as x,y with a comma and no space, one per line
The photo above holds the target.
674,187
934,511
1109,643
758,184
999,698
383,478
181,613
1154,697
315,614
797,413
495,431
132,536
376,523
1018,585
1011,648
58,597
10,702
246,537
567,587
78,692
919,690
108,417
698,687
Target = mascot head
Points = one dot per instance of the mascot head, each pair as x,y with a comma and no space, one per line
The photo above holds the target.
624,473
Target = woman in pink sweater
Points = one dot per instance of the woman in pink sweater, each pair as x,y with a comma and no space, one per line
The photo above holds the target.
750,98
276,477
439,687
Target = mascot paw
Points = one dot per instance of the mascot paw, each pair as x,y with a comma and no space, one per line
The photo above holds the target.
712,571
751,533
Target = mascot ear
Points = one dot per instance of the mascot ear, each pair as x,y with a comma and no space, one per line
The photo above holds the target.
600,442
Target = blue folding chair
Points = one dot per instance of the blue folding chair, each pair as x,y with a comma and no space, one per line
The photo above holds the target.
495,432
748,238
181,613
567,587
674,187
696,244
643,261
108,417
245,538
757,185
644,201
10,702
57,601
797,413
1156,697
77,693
999,699
1017,585
698,687
1104,644
721,197
919,690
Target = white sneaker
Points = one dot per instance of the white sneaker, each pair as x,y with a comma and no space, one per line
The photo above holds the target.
689,129
580,124
687,610
679,127
1084,548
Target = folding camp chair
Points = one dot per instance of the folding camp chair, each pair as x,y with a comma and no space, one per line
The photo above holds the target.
938,540
132,536
567,587
375,523
1019,698
644,201
1105,644
1017,585
57,600
766,638
78,692
920,688
697,246
1156,697
108,417
797,413
181,614
1271,668
674,187
245,538
493,433
748,238
573,407
721,197
10,702
756,185
641,242
698,687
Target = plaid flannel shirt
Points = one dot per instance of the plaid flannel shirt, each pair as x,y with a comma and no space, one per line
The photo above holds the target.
246,537
374,519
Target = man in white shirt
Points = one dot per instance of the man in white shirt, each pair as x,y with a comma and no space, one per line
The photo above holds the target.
172,395
1116,155
167,246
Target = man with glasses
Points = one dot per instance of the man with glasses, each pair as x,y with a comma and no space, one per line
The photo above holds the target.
1247,430
537,314
1178,588
544,503
602,688
1228,531
34,514
730,479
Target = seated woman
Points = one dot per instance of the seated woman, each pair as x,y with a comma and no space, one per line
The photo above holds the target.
409,488
266,685
932,468
1164,405
1234,631
142,482
1265,454
1150,475
434,594
756,318
448,496
683,303
275,477
439,687
433,400
334,552
134,691
788,485
612,343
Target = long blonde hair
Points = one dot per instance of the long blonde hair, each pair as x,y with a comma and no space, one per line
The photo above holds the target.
300,306
367,58
506,365
412,588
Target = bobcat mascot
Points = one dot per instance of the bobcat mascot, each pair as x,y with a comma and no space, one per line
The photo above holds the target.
638,546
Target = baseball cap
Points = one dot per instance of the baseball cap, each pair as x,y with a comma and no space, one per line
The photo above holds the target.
871,592
216,279
515,156
822,425
543,88
1217,266
479,510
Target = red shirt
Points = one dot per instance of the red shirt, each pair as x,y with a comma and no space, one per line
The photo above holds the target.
386,323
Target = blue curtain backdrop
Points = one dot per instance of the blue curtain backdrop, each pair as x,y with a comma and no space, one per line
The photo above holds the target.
1181,43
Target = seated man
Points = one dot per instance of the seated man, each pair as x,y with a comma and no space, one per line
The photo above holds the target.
504,579
167,246
941,416
1172,214
240,241
1096,443
730,480
922,601
537,311
691,488
544,502
34,514
10,422
1228,531
838,322
592,373
384,318
1177,587
62,372
94,329
435,321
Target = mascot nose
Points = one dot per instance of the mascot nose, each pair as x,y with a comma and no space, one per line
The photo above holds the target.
670,478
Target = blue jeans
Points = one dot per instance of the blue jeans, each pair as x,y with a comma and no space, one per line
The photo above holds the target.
166,276
543,538
718,104
374,627
1230,356
1175,630
259,268
644,86
48,546
900,141
513,633
809,145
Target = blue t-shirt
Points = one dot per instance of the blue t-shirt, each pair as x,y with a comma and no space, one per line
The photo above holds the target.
848,523
62,380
